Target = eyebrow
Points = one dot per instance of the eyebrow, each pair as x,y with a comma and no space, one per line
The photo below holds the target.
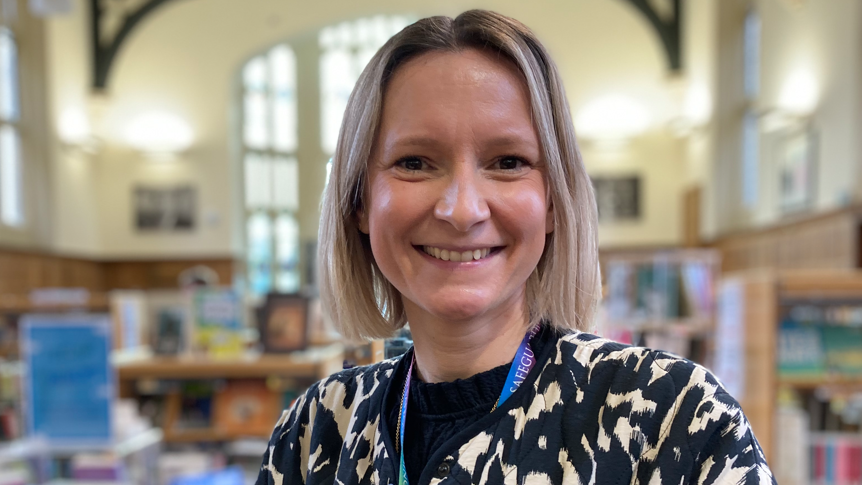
430,141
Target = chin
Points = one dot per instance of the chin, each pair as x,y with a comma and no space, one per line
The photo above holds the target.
460,308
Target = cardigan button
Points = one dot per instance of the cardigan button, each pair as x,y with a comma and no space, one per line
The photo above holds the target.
443,470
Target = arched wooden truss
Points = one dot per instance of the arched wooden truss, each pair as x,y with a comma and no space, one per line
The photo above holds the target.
107,45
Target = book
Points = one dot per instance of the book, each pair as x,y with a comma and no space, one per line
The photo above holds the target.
129,314
842,347
217,316
790,457
836,458
168,321
69,383
247,408
800,349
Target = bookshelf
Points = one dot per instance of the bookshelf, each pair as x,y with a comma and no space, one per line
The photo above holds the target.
320,363
794,361
266,378
662,299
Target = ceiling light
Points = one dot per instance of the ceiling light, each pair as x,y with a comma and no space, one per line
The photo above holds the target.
159,134
612,117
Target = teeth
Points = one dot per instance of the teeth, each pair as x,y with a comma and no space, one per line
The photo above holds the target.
464,257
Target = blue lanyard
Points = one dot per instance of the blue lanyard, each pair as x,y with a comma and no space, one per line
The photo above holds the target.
525,359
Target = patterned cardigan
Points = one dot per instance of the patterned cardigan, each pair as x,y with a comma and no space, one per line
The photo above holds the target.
592,411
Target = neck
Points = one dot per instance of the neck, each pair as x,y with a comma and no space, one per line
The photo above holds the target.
447,350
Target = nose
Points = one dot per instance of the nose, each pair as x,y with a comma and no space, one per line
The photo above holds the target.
462,202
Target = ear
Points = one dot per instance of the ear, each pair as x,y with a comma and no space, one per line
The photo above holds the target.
549,219
362,221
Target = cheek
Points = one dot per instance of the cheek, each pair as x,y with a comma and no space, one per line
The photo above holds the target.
392,210
525,213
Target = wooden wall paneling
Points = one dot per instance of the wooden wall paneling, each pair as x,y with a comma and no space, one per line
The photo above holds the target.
163,274
22,272
826,241
761,315
691,217
759,327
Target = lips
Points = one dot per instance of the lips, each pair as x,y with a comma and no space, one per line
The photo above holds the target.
457,256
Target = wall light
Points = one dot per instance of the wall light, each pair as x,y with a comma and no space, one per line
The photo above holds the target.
698,104
797,100
159,135
612,117
696,111
799,93
75,131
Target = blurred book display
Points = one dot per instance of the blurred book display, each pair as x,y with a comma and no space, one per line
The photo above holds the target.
797,369
662,299
142,382
820,340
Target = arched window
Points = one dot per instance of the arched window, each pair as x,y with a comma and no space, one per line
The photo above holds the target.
270,137
750,157
345,50
270,169
11,177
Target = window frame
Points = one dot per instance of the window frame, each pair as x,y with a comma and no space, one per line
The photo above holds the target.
14,122
272,154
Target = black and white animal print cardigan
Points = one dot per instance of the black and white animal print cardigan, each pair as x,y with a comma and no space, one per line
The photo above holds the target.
592,411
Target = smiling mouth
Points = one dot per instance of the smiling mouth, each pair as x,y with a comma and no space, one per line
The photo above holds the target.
457,256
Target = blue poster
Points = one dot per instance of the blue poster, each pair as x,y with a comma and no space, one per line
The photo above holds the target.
69,381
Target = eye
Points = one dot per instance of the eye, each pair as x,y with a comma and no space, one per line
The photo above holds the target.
411,164
510,164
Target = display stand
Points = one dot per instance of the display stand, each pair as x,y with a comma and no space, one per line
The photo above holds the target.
763,364
660,299
270,375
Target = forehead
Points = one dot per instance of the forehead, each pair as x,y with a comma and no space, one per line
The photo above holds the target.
467,89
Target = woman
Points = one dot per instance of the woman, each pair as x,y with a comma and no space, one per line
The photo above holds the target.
458,202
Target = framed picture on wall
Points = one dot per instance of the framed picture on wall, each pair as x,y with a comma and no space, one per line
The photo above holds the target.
283,322
165,208
797,169
618,197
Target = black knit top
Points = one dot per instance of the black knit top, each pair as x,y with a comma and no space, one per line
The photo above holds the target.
438,411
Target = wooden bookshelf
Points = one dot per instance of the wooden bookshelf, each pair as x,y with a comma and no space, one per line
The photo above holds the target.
664,297
297,368
263,366
817,382
763,294
20,303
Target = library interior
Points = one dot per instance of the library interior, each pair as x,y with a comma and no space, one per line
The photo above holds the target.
160,194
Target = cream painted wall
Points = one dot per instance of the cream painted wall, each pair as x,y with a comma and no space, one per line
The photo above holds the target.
821,39
185,57
659,159
74,173
825,40
700,41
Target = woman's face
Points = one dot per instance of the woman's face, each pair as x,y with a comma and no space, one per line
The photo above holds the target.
457,210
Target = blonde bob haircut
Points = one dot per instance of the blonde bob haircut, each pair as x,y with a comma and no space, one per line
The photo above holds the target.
564,287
